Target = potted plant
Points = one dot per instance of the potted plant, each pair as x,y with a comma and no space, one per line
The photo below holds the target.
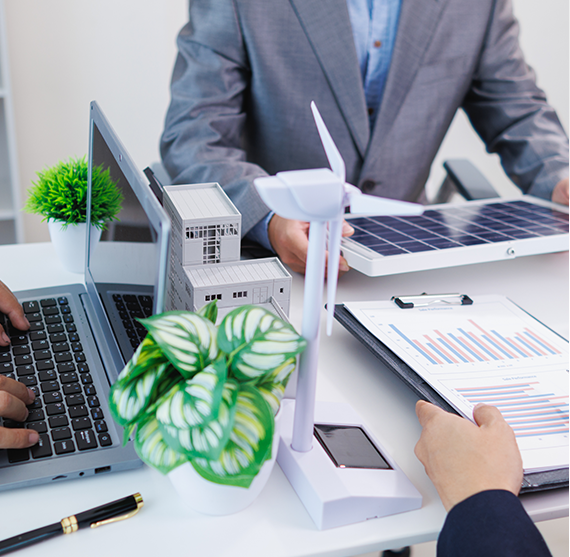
60,196
203,399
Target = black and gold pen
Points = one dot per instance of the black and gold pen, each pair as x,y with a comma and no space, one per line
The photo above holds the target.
105,514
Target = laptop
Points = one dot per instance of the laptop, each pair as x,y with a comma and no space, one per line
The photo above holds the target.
82,335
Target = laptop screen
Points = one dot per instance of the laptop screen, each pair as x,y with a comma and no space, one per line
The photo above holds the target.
127,265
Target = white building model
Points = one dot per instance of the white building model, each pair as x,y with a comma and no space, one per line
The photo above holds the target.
205,255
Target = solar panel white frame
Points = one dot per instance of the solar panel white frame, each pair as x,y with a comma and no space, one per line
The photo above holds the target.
374,264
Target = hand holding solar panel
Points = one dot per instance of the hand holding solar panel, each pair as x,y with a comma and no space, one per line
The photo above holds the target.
320,197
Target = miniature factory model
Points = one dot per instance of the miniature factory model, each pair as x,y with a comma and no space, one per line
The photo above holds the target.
205,255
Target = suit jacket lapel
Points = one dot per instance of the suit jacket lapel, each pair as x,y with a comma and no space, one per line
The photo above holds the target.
417,24
328,28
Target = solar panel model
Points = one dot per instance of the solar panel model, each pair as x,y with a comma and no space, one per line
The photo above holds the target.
449,235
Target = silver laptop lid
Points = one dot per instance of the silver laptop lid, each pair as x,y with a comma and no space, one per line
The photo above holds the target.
131,256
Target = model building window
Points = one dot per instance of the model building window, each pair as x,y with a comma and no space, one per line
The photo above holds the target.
208,298
281,291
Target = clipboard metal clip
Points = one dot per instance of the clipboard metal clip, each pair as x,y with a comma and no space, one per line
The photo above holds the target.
423,300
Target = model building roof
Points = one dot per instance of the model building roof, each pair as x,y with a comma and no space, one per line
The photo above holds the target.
198,201
254,270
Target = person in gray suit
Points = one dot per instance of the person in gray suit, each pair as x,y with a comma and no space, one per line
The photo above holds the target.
388,77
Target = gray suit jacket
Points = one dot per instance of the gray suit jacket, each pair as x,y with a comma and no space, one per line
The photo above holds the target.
247,70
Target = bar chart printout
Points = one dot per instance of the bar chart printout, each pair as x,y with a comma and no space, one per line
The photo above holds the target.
491,352
529,412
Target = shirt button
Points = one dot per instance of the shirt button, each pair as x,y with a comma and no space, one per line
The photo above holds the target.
377,44
367,186
370,111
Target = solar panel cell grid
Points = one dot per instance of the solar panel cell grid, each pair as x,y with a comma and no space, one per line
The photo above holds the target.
458,226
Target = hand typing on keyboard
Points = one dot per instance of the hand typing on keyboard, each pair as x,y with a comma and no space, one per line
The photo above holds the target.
14,397
11,307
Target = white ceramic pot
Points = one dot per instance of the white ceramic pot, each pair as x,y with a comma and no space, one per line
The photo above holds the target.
69,243
215,499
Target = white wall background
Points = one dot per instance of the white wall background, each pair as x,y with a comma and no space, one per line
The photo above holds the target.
65,53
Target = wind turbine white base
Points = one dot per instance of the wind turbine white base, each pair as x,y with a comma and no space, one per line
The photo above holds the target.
339,496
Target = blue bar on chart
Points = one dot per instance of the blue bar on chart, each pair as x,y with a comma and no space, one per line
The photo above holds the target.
463,345
528,412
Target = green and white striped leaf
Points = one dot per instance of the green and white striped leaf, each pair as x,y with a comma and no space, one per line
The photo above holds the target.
147,355
195,401
188,340
206,440
249,445
209,311
272,386
152,448
257,341
131,395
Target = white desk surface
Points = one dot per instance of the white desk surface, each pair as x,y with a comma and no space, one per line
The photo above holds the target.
276,524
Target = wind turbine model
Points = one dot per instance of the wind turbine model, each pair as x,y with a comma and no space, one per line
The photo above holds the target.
321,475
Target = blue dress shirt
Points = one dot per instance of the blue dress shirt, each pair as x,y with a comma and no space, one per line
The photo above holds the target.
374,26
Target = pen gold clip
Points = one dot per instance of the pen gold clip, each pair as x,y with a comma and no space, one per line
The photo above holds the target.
140,503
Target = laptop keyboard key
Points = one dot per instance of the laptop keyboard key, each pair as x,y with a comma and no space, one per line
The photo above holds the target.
71,388
38,335
31,307
90,390
23,360
75,399
63,357
65,367
85,439
55,396
105,440
58,421
44,364
81,423
64,447
101,426
28,380
68,377
48,302
97,414
55,409
42,448
78,411
61,347
21,350
49,386
40,344
49,375
61,433
42,355
36,416
18,455
24,370
40,427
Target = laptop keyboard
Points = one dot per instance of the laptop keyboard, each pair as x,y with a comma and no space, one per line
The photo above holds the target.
49,359
132,307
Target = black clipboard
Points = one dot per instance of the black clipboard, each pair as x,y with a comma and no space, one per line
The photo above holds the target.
532,481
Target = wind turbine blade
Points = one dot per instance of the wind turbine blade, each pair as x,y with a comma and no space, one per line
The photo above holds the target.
362,204
333,155
335,234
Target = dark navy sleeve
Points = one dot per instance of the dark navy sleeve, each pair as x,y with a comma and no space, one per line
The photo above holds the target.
490,524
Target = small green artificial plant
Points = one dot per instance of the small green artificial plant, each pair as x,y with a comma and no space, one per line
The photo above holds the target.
207,395
60,194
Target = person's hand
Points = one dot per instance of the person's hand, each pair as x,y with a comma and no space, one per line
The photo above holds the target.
462,458
14,397
560,193
12,308
290,240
